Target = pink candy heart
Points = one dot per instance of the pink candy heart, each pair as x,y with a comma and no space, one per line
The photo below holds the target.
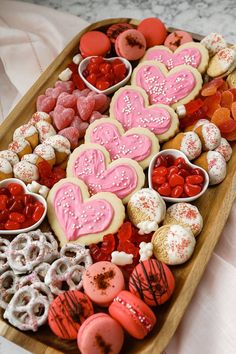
95,115
72,134
67,86
77,217
79,93
188,56
62,116
100,100
164,89
67,100
90,166
80,125
129,109
45,103
85,106
54,92
134,146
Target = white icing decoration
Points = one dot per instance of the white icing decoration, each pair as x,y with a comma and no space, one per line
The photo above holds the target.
224,149
216,167
59,143
26,171
10,156
191,145
45,151
211,135
24,131
200,122
5,166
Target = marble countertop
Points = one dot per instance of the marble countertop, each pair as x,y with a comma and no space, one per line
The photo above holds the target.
200,17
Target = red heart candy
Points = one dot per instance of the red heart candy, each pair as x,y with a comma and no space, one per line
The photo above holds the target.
72,134
45,103
164,190
100,101
79,93
79,124
67,100
85,107
191,189
176,180
54,92
95,115
67,86
62,116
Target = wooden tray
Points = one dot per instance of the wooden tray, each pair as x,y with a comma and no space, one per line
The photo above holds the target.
214,205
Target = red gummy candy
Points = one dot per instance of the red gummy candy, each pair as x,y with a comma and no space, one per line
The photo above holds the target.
125,232
45,169
193,106
108,244
79,84
228,126
211,87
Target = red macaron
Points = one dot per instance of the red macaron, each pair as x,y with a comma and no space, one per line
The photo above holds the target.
94,43
153,30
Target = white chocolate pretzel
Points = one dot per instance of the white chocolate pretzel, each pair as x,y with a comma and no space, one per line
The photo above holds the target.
77,253
9,284
3,257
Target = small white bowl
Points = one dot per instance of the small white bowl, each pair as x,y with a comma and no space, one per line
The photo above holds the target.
176,154
7,181
83,64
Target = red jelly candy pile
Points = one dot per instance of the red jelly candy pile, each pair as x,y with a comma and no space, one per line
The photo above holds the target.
18,210
103,250
218,104
173,177
48,176
102,73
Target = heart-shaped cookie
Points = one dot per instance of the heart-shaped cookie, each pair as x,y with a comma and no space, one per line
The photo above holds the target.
91,163
138,143
74,216
62,117
178,86
194,54
130,107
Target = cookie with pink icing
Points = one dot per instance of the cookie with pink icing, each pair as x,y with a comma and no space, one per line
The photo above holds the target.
74,216
186,215
193,54
92,164
179,85
189,143
214,164
224,149
138,144
209,135
130,107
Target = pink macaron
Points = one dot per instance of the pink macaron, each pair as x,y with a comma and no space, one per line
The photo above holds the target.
100,334
176,39
102,281
130,44
133,314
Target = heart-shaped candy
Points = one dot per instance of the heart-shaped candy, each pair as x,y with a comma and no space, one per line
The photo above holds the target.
85,106
194,54
130,107
138,143
67,86
45,103
92,164
72,134
74,216
80,125
62,117
67,100
179,85
54,92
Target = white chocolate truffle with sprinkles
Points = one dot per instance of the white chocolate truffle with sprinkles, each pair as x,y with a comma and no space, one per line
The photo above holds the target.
61,145
214,164
26,171
5,169
10,156
224,149
146,209
28,132
20,146
209,135
45,130
189,143
46,152
184,214
173,244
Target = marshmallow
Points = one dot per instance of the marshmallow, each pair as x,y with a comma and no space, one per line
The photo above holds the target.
77,59
121,258
145,250
146,227
65,75
43,191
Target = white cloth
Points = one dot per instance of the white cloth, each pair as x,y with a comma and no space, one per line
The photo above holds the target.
30,38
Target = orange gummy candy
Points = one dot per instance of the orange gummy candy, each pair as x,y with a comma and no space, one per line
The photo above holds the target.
227,99
220,116
212,103
230,136
211,87
233,110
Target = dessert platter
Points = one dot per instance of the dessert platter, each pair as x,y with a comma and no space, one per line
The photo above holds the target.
117,175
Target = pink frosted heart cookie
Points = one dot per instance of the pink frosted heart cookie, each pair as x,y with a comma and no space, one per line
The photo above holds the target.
193,54
91,163
74,216
179,85
138,143
130,107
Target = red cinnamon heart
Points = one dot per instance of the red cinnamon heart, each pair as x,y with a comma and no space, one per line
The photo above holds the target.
192,189
85,106
67,100
176,180
62,116
164,189
72,134
45,103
